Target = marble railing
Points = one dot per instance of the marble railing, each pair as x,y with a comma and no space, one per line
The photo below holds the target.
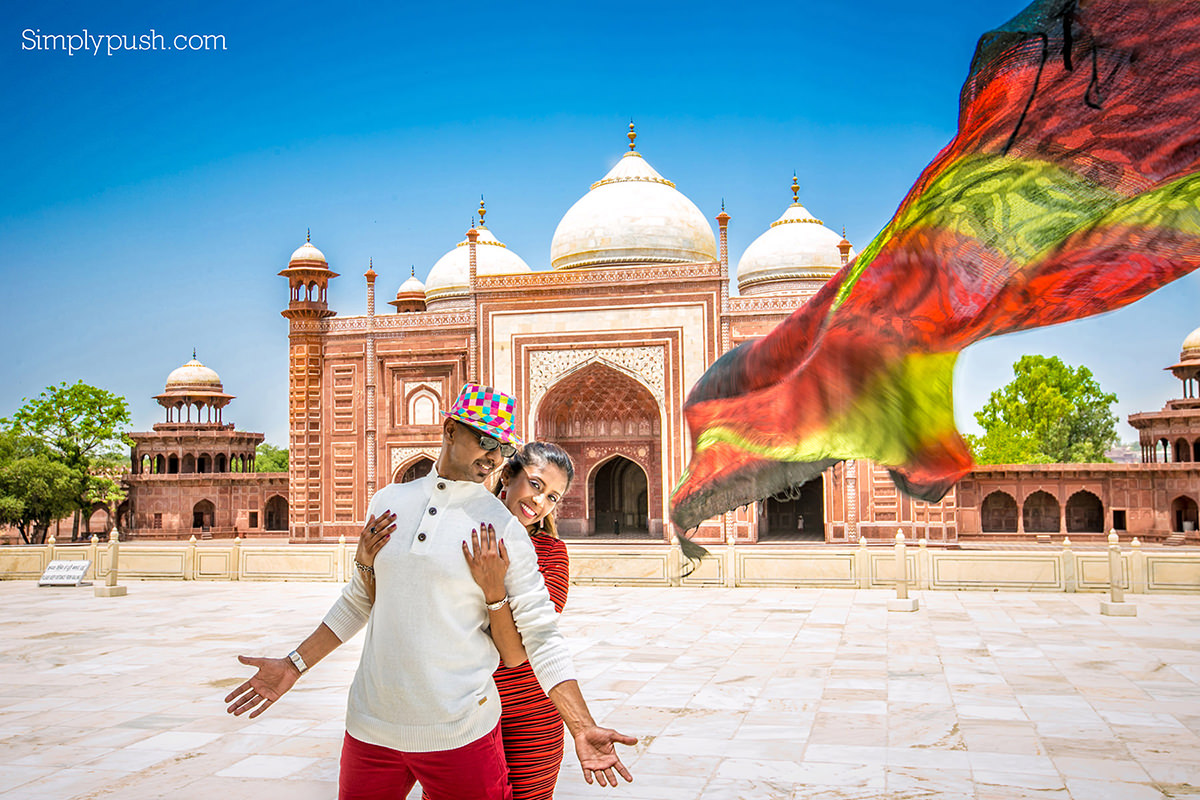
1050,569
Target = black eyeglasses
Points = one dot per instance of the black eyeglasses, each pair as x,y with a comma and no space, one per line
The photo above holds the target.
490,443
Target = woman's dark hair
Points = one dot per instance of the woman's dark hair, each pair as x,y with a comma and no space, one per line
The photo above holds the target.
538,453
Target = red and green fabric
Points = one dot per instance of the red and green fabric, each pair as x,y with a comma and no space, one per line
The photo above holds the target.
1071,189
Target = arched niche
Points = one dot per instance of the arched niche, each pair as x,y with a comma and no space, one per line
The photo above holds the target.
1085,513
1184,514
421,406
410,471
276,514
998,513
1041,513
204,514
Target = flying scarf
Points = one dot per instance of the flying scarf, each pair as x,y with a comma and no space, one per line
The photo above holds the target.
1071,189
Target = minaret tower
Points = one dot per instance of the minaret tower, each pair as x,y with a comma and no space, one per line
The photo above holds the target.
308,277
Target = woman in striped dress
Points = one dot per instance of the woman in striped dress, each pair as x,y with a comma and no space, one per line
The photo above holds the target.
531,484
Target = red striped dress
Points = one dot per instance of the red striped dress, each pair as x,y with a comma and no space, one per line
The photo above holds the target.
532,728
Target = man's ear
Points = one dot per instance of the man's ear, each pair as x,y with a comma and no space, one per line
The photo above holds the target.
448,427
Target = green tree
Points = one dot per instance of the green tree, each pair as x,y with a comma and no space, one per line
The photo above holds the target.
1049,413
81,428
270,458
35,491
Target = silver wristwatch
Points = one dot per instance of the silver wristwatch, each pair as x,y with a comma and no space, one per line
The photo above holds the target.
298,661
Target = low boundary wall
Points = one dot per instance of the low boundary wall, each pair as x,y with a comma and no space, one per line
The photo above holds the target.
1152,570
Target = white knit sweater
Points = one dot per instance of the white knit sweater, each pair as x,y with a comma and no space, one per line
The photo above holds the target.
424,682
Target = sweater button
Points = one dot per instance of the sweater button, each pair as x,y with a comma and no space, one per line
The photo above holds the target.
441,485
420,537
433,512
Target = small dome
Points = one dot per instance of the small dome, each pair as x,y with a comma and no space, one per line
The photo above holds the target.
412,285
796,249
451,274
306,252
1191,347
193,376
632,215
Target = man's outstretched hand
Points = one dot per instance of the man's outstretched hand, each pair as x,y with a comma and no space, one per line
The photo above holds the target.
274,677
598,757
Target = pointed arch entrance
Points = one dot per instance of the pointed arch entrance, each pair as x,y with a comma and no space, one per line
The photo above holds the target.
795,514
277,514
1184,514
417,469
203,514
599,414
619,490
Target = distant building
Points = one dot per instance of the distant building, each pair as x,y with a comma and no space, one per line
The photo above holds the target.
1155,500
195,476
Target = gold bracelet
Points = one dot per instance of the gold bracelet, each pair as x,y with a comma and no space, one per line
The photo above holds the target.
363,567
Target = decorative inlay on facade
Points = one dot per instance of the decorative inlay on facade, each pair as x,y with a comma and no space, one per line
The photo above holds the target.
820,274
627,275
641,451
646,365
399,455
422,320
765,303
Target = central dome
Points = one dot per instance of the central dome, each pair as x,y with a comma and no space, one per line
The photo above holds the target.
632,216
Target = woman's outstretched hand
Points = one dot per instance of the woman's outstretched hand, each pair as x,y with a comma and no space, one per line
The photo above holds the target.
374,536
274,677
487,559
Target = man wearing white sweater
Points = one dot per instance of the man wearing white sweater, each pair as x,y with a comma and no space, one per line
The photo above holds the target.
423,706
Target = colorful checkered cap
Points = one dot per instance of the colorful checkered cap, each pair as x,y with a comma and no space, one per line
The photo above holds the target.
487,410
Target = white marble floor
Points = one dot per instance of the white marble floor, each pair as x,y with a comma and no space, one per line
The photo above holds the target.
735,693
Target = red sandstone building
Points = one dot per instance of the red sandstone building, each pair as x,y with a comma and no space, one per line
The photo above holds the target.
194,473
602,347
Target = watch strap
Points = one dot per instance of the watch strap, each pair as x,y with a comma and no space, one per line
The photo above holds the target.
298,660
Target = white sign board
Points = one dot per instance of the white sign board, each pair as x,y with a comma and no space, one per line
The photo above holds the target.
65,573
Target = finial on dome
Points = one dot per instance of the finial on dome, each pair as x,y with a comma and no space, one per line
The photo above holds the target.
722,203
482,212
193,354
308,235
795,189
412,271
632,136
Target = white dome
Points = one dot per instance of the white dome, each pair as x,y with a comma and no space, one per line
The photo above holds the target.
632,216
411,285
306,252
193,375
797,247
451,274
1191,347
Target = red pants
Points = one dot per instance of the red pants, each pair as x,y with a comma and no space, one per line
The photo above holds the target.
475,771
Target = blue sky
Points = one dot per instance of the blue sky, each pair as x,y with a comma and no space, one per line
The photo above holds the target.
152,196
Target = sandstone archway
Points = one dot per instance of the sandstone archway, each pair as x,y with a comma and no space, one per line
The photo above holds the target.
596,413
